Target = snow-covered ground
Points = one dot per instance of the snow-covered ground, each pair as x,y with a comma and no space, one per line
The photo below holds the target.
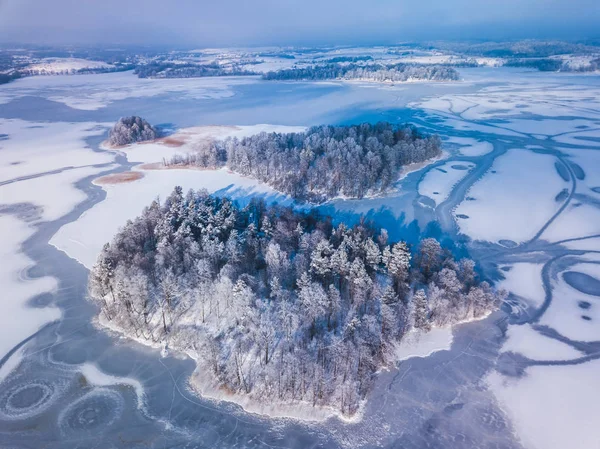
31,148
54,66
83,239
524,340
471,147
552,407
438,182
499,210
93,92
18,320
524,279
417,344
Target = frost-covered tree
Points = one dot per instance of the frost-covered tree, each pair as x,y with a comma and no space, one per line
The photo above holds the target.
369,72
420,311
130,130
323,162
429,257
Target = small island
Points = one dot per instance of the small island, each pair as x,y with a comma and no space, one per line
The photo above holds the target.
323,163
277,305
130,130
399,72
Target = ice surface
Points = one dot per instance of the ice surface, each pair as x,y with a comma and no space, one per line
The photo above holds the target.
84,238
472,147
500,210
92,92
566,316
523,339
34,147
577,220
11,363
552,407
417,344
17,320
524,279
55,193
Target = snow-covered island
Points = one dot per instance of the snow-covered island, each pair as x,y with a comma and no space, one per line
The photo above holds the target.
130,130
395,73
321,163
277,305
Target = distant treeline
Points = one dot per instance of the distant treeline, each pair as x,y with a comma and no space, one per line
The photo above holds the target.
172,70
338,59
276,55
518,49
553,65
323,162
372,72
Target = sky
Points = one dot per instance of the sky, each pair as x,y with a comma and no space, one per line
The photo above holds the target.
204,23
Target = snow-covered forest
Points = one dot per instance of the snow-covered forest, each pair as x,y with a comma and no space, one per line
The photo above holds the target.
554,65
323,162
130,130
277,304
171,70
371,72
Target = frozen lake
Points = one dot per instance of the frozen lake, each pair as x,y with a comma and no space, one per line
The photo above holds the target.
519,191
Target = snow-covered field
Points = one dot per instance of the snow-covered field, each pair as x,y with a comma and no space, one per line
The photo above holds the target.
471,147
419,344
493,215
524,340
54,66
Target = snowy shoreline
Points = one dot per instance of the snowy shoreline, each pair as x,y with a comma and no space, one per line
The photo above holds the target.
413,345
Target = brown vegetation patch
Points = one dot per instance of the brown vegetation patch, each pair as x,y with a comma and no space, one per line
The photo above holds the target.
152,166
119,178
172,141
